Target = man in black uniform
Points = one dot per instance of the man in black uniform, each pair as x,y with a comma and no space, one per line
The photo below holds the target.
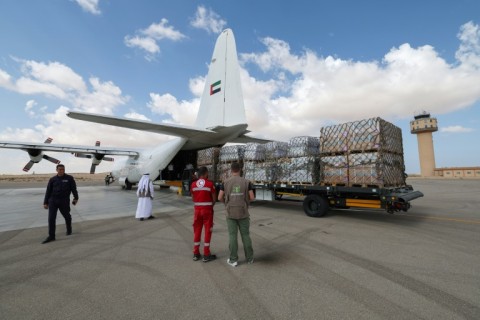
57,197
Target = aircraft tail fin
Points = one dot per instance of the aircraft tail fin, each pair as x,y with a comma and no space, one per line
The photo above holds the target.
222,99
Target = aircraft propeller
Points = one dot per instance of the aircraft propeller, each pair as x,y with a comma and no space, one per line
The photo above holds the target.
37,155
96,158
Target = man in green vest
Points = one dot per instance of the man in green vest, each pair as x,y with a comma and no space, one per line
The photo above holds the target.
237,192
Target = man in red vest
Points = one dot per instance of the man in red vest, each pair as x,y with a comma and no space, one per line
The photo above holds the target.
204,197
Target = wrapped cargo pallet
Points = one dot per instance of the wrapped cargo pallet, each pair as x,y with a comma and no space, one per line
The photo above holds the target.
254,152
255,171
301,170
303,147
301,165
374,134
376,169
334,170
275,150
254,162
362,153
208,156
229,154
275,153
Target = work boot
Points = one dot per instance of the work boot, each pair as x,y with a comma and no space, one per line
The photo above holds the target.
197,257
48,239
209,258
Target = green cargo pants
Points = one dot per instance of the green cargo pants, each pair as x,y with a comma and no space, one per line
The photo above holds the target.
244,226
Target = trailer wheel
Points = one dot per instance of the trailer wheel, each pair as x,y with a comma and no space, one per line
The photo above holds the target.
315,205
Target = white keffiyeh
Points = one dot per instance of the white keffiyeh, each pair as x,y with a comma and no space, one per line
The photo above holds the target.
143,184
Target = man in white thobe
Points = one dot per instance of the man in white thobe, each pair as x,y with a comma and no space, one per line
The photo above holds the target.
145,197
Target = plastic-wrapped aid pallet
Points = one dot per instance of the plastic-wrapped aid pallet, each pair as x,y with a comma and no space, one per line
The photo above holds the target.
362,153
254,162
231,153
382,169
276,150
255,171
301,164
334,170
303,146
207,156
374,134
254,152
300,170
275,154
365,169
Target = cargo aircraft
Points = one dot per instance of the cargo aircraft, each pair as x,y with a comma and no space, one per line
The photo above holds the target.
221,119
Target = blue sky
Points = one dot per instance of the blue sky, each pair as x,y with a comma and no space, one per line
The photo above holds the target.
303,66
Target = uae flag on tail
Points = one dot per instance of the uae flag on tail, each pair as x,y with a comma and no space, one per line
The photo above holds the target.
215,87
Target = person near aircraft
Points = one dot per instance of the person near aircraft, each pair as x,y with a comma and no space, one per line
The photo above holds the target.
237,192
204,197
107,179
145,196
57,197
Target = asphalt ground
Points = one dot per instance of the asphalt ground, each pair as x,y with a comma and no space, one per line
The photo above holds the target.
351,264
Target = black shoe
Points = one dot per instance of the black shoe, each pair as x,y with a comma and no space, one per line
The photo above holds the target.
197,257
48,239
209,258
69,233
151,217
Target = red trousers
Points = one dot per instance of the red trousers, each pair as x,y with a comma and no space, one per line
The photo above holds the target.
203,218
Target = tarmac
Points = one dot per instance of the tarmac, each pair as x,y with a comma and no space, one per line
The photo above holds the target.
350,264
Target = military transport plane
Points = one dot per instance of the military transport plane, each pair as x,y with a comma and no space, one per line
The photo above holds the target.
221,119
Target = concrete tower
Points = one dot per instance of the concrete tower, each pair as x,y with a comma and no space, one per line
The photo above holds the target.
423,126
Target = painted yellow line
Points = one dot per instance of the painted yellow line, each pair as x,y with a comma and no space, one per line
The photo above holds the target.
445,219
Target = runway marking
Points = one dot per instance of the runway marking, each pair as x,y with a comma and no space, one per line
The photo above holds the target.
445,219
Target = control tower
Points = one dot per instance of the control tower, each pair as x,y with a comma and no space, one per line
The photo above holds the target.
423,125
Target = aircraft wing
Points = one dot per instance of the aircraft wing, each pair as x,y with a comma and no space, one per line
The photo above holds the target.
247,139
168,129
26,146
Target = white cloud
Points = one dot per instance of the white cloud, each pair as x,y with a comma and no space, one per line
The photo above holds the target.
136,116
29,108
456,129
89,6
147,39
311,90
469,51
208,20
5,79
180,112
52,79
161,31
144,43
104,98
55,80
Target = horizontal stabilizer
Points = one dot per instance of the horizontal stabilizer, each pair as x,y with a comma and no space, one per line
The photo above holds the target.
247,139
